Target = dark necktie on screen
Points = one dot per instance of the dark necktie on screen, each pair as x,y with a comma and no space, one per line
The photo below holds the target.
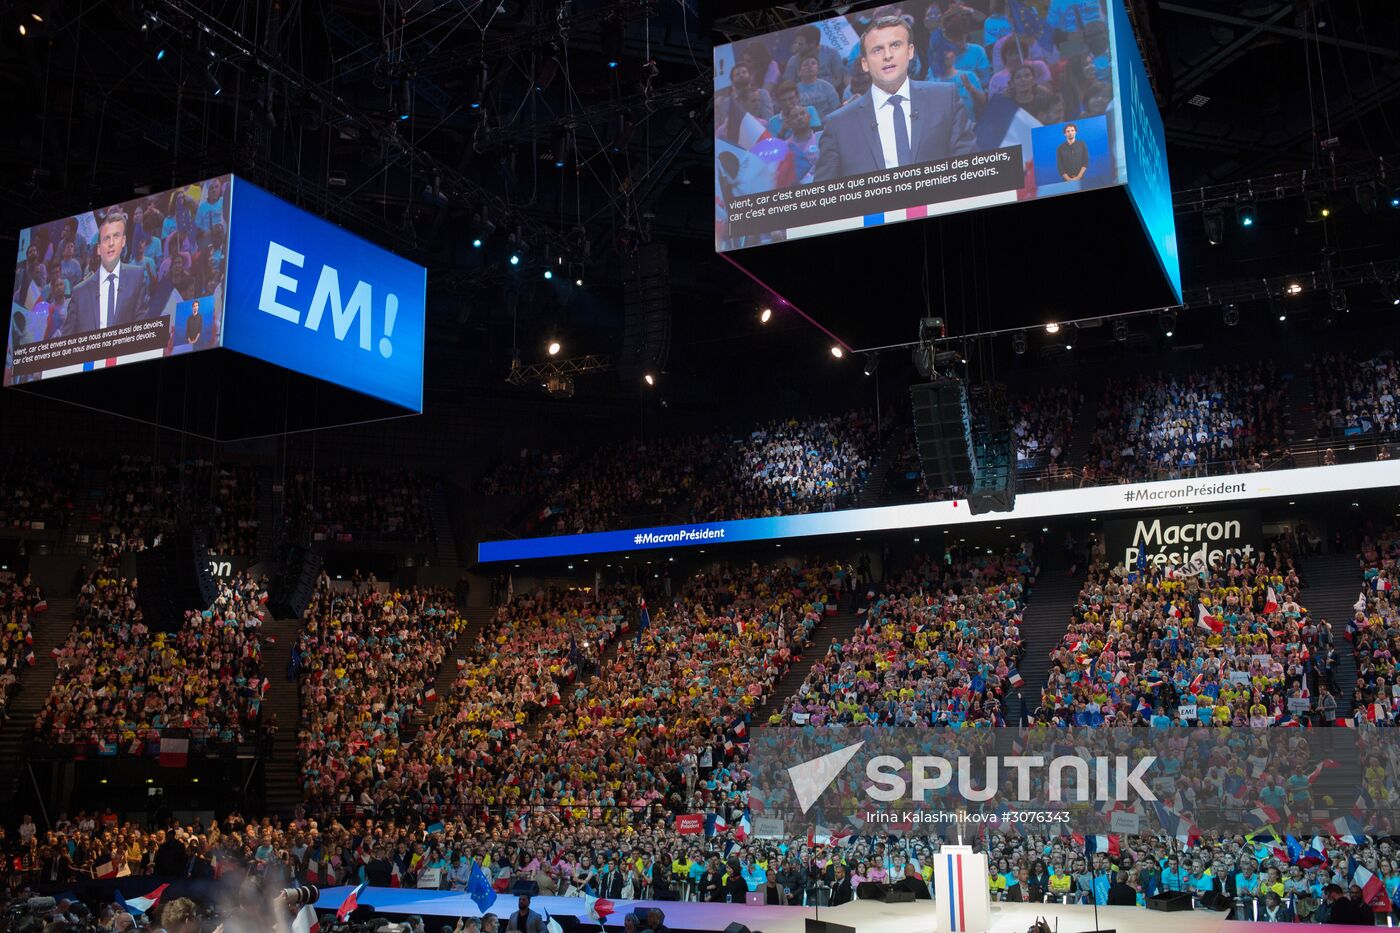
111,298
901,132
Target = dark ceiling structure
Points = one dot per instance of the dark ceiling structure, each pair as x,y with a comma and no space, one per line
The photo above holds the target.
569,132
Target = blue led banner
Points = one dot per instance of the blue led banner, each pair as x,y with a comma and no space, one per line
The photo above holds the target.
1185,492
308,296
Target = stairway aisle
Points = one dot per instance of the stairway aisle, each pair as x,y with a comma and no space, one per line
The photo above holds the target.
1043,626
445,544
51,629
282,770
1333,583
832,629
874,487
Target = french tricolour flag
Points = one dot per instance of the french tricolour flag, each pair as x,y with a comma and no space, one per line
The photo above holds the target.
1270,600
1015,678
306,921
174,749
141,905
1209,622
352,900
1371,886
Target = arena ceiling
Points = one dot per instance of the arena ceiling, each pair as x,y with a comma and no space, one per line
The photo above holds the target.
421,122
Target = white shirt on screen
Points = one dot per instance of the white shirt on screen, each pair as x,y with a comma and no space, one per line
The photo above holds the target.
884,121
115,279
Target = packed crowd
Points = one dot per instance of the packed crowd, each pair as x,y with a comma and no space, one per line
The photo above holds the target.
40,490
1231,645
347,503
524,473
1375,627
20,601
365,661
938,645
1227,420
1042,424
1355,395
145,499
785,467
119,683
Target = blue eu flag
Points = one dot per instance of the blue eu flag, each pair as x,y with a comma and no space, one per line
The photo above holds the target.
479,889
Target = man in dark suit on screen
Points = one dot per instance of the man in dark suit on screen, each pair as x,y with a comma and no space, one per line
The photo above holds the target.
116,292
897,122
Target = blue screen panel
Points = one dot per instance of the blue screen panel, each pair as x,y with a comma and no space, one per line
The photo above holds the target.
308,296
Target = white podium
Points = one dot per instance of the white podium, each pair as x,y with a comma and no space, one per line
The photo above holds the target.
960,883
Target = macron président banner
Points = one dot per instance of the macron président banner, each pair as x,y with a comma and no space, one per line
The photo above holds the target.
310,297
1238,490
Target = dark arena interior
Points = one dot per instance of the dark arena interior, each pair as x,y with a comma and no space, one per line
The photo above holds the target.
545,465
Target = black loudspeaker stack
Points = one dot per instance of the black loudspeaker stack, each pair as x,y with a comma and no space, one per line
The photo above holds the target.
173,579
646,312
943,431
295,583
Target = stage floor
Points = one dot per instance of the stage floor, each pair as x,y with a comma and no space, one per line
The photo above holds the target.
865,916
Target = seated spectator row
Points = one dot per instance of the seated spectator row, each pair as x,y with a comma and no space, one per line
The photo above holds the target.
365,660
1226,420
347,503
1354,395
1375,627
119,683
936,646
144,500
40,490
1143,644
784,467
21,601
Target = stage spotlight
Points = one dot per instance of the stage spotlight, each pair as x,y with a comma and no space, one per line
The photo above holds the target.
649,379
1052,328
404,99
765,315
1215,225
1394,197
1246,214
1390,292
837,352
1318,208
578,282
1120,330
554,347
1337,299
872,363
476,241
514,259
1069,346
1167,321
24,31
548,275
160,55
1294,289
1018,342
1231,314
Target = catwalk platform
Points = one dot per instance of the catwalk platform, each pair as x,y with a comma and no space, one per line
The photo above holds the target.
865,916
